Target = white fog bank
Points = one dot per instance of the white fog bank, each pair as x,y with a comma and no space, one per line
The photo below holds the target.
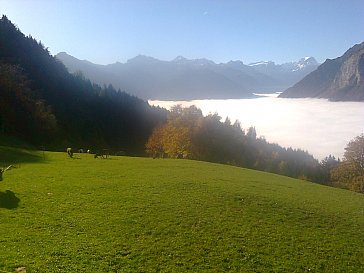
318,126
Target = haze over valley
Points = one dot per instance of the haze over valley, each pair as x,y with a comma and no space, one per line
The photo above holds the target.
181,136
317,125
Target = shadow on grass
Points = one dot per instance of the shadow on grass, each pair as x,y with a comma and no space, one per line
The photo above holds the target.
10,155
8,200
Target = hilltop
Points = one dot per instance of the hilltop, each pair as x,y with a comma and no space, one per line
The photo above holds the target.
139,214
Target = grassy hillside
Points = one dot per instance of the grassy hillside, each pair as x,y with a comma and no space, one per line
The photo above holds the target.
142,215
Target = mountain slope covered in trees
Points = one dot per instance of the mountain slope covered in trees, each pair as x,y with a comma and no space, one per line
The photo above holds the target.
188,134
41,102
340,79
45,105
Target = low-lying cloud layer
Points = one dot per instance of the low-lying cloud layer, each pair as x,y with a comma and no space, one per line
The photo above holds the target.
319,126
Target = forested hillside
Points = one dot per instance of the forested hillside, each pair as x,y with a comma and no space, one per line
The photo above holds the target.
42,104
45,105
188,134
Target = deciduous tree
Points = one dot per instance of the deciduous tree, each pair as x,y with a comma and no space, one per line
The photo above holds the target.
350,172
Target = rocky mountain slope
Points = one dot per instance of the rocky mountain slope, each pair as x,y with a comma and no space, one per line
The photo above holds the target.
340,79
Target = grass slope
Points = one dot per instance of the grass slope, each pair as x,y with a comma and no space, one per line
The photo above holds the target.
142,215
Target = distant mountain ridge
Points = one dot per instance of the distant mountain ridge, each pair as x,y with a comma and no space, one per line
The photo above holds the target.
183,79
340,79
302,64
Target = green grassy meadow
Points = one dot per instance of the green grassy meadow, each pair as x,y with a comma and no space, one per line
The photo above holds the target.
126,214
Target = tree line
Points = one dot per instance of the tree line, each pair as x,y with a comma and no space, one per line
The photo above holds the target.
348,173
188,134
42,103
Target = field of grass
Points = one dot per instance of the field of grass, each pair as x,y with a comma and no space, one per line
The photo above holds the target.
126,214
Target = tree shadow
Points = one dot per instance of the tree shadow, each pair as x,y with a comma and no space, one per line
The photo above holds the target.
8,200
10,155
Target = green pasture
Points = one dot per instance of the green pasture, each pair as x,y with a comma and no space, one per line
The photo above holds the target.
125,214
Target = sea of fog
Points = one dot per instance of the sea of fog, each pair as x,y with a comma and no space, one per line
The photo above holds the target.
318,126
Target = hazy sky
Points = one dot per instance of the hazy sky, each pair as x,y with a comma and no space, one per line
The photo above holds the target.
248,30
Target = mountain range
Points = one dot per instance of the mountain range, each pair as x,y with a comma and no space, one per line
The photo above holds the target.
184,79
340,79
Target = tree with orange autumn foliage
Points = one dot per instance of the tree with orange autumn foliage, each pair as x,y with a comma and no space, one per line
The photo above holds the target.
189,134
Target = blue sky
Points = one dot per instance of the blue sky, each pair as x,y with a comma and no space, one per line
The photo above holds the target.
252,30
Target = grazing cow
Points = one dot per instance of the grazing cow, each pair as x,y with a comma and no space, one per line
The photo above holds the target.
120,153
80,151
98,155
104,153
70,152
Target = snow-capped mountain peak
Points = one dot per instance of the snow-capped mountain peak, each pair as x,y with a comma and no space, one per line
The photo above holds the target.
180,59
308,60
263,63
305,62
291,66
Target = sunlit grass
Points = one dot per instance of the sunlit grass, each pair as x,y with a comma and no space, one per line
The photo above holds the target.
142,215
